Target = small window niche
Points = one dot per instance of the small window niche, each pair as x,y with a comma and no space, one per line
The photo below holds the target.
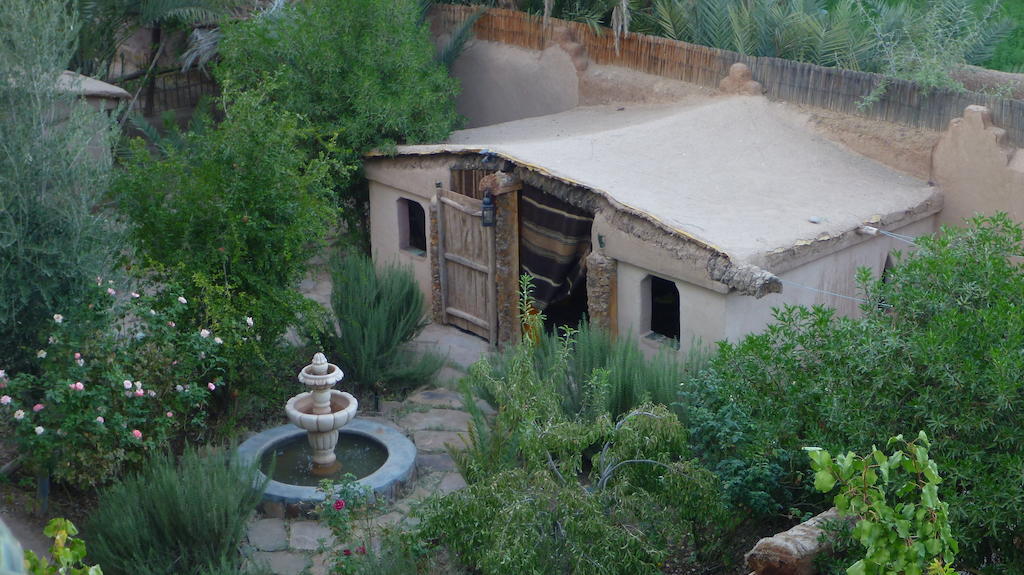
412,227
663,306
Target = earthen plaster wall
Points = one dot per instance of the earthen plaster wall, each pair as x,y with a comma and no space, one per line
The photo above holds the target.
976,170
394,179
501,83
709,313
835,273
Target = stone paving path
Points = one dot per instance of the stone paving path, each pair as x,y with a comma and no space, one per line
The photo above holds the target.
433,418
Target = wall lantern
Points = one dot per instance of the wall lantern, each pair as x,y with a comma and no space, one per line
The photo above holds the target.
487,211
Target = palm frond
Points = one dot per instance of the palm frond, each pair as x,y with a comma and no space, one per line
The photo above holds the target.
457,42
713,25
202,48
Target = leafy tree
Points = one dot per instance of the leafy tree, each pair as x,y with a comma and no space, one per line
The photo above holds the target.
232,214
938,349
361,73
54,169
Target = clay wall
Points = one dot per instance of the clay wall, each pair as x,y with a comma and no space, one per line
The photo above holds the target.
501,83
976,170
392,180
834,273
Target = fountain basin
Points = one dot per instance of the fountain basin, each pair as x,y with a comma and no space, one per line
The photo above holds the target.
300,411
398,467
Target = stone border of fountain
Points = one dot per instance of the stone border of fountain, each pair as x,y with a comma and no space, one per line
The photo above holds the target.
397,469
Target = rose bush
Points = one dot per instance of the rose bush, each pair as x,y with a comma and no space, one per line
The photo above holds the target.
106,395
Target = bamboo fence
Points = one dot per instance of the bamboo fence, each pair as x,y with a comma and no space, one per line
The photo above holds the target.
836,89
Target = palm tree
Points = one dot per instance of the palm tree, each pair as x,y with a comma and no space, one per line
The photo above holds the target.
107,24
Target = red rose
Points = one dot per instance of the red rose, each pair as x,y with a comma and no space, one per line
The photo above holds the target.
346,552
339,504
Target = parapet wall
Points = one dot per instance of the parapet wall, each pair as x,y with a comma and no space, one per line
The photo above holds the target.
977,170
795,82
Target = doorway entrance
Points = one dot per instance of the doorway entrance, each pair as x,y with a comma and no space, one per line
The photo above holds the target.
554,241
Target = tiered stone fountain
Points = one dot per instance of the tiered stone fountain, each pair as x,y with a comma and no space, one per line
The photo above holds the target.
323,424
322,411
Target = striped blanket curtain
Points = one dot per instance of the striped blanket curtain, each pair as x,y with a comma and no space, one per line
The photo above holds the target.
554,244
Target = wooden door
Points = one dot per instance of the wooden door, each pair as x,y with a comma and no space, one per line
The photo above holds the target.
466,265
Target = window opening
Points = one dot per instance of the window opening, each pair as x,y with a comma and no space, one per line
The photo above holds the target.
664,298
412,226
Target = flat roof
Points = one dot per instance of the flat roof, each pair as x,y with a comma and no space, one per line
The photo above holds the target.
741,174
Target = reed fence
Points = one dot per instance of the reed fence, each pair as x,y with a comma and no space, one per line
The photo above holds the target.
836,89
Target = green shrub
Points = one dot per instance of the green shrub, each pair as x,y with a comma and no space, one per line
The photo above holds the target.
592,371
175,518
378,310
360,72
941,350
641,497
67,552
54,171
232,216
106,397
901,523
572,492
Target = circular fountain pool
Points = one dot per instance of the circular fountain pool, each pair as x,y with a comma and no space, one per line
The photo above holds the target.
376,453
291,461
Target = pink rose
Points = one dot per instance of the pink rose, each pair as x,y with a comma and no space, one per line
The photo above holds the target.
139,393
127,384
111,291
37,407
5,400
78,355
170,323
77,386
211,386
99,419
136,434
170,414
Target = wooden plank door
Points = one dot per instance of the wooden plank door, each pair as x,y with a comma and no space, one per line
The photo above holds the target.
466,265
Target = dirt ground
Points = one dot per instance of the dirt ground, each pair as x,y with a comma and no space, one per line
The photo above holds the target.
19,508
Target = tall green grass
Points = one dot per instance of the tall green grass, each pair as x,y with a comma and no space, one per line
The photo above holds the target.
378,309
183,517
593,357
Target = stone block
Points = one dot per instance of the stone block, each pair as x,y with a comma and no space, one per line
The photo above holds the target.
282,562
439,398
436,420
437,441
268,535
306,535
451,482
435,462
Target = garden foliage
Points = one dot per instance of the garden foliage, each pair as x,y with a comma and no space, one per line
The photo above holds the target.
55,166
591,371
572,493
118,379
184,517
902,524
67,552
378,310
627,378
232,215
361,73
938,348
